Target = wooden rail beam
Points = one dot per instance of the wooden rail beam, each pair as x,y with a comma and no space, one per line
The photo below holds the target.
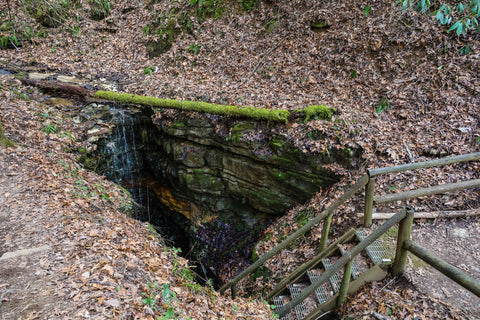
444,267
427,191
425,164
346,196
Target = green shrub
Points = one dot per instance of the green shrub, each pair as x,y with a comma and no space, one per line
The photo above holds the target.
249,4
99,9
9,42
50,14
460,18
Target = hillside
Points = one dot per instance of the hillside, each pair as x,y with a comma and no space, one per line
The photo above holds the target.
404,90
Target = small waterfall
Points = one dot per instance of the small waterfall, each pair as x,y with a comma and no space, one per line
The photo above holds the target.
126,162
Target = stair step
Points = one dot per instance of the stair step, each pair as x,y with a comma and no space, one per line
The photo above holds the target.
279,302
325,291
301,309
355,271
375,251
336,278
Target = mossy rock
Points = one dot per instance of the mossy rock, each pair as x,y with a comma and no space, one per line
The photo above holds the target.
4,141
240,129
166,37
321,112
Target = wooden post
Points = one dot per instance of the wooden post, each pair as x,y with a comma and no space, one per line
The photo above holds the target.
347,274
369,193
300,271
326,229
404,232
234,291
346,196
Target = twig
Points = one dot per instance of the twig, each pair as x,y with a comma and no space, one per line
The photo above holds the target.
264,56
379,316
410,156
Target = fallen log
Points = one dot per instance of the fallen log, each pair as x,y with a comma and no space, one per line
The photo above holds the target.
233,111
428,215
59,87
276,115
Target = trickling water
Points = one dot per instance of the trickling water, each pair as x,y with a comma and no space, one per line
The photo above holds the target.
124,156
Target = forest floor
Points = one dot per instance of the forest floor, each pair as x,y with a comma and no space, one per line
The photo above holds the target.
403,91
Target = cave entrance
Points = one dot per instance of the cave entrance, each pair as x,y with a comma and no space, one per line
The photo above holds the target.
209,186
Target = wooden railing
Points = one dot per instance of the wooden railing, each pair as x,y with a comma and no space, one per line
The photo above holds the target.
404,243
346,262
324,215
371,199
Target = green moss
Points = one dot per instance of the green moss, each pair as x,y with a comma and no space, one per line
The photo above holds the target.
240,129
318,112
4,141
389,242
167,34
178,125
254,255
232,111
303,217
268,199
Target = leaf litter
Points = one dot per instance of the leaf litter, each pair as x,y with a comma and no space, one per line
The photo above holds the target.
402,91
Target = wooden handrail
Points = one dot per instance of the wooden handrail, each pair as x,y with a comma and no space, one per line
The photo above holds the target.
346,196
370,198
444,267
425,164
427,191
349,255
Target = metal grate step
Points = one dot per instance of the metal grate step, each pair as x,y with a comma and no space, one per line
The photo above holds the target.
325,291
336,279
301,309
375,251
279,302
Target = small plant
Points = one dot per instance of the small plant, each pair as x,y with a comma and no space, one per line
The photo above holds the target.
383,106
150,299
353,74
367,10
169,314
50,128
460,18
465,50
249,5
9,42
99,9
148,70
194,48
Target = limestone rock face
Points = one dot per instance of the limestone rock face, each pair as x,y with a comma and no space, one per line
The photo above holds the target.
217,165
236,167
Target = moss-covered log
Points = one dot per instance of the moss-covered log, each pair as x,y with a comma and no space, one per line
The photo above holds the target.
313,112
232,111
4,141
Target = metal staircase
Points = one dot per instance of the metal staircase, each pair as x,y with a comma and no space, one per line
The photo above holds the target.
376,255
